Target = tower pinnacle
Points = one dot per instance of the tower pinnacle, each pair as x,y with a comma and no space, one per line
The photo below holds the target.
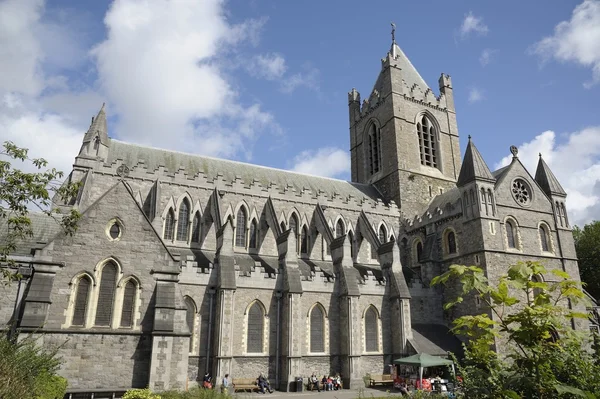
393,51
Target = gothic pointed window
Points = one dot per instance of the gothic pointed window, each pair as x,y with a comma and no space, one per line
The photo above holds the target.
451,242
127,312
371,330
510,234
340,229
190,317
254,339
351,239
253,234
564,214
294,228
491,202
382,234
419,251
466,205
106,295
183,221
196,227
544,238
240,228
169,225
427,141
81,302
304,240
374,149
317,330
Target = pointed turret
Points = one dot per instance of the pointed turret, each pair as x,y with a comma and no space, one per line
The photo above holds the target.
473,167
96,142
547,181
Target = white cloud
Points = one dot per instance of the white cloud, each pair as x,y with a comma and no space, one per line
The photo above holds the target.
486,56
576,164
576,40
159,68
327,162
473,24
475,95
308,79
267,66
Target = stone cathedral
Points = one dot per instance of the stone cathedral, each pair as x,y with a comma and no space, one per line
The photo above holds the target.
184,264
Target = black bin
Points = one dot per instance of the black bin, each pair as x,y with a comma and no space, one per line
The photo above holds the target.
299,384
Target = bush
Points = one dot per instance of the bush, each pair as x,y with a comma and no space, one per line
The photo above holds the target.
195,393
145,393
49,386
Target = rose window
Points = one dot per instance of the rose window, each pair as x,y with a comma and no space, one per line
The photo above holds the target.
521,192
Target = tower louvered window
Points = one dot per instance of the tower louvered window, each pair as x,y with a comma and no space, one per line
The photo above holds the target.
374,151
183,221
240,229
304,240
510,235
190,315
253,232
169,225
81,302
317,330
106,295
427,142
128,304
371,331
254,340
196,227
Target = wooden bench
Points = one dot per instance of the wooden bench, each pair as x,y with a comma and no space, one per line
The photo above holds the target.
382,379
244,384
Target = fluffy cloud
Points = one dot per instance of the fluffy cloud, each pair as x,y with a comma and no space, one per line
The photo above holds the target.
159,68
473,24
486,56
327,162
267,66
576,40
576,164
475,95
309,79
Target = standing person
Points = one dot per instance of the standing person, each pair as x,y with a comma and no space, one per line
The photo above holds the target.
314,381
263,383
207,381
226,384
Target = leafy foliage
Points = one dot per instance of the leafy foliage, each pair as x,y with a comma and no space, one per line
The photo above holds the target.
145,393
28,371
195,393
530,319
587,246
21,190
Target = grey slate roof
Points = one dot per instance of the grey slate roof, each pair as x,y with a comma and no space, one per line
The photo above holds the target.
436,340
44,229
546,179
473,167
131,154
498,173
409,73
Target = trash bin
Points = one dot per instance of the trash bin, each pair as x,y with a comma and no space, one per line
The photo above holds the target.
299,384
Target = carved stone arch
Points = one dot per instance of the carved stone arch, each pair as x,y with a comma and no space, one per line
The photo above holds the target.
197,207
130,277
100,265
253,215
294,211
238,206
182,197
369,306
319,304
450,247
417,254
78,308
432,118
83,273
334,228
544,228
262,305
170,205
512,224
386,230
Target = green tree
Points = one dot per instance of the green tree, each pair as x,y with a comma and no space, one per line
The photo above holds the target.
530,320
587,246
20,191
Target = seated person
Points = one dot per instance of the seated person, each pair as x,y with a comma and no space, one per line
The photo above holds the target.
327,385
314,382
337,382
263,383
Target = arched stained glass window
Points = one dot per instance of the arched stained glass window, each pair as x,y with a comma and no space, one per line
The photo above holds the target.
451,242
253,234
304,240
128,304
317,329
351,239
382,234
544,239
427,142
240,228
256,320
81,301
419,251
371,330
340,229
183,221
294,228
106,295
196,225
169,225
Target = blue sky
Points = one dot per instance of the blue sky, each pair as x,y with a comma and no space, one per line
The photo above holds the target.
266,81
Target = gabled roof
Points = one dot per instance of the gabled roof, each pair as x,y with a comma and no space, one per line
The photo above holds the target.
546,179
44,229
473,167
192,164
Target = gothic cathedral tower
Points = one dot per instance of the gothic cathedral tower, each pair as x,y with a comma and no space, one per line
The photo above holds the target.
404,139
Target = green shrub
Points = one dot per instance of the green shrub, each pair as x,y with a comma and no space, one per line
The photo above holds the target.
195,393
49,386
145,393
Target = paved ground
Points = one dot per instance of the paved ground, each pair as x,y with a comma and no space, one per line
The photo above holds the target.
366,393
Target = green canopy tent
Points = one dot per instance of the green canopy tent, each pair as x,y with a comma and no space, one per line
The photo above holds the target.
423,360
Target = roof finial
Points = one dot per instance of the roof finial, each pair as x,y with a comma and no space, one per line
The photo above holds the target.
514,150
540,154
469,137
393,33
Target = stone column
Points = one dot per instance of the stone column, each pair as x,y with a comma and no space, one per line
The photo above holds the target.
224,334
